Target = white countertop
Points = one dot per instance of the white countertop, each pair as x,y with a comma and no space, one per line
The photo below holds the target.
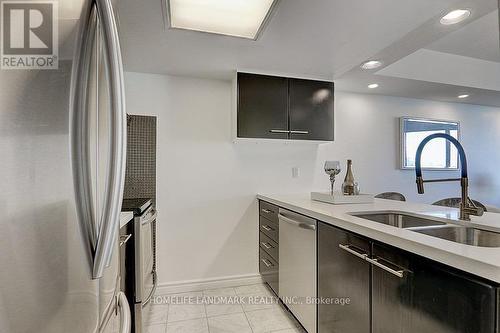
125,217
480,261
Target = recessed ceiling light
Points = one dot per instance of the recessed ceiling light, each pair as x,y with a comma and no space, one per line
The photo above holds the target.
455,16
372,64
463,96
227,17
373,85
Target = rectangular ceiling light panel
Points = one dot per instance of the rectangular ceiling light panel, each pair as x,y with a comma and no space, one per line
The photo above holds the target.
240,18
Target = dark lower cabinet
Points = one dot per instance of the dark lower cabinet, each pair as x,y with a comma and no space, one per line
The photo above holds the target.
393,291
392,295
343,274
269,244
269,270
430,297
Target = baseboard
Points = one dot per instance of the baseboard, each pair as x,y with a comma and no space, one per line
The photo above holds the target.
203,284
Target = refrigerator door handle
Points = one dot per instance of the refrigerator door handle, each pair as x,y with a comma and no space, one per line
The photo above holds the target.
125,314
79,131
118,136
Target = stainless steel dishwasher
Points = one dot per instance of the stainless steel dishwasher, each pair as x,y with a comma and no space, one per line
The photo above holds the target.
297,269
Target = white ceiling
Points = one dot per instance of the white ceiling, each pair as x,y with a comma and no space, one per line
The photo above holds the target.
313,38
439,63
324,39
479,39
447,68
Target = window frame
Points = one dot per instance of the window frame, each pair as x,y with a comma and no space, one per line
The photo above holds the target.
402,144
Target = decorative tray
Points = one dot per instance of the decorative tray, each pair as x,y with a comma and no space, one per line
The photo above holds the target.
340,199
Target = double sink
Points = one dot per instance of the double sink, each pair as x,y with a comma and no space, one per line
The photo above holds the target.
434,227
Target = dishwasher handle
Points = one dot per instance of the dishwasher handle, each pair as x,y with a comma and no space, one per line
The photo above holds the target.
299,224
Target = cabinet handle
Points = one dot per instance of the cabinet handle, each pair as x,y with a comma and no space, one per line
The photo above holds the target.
124,239
267,211
279,131
267,228
347,248
267,263
153,214
299,132
266,245
399,274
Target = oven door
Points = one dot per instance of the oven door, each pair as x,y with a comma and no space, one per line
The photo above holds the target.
145,255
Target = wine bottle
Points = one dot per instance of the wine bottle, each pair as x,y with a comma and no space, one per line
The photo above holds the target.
349,187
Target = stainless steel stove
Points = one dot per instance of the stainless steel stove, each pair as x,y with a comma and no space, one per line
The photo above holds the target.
139,258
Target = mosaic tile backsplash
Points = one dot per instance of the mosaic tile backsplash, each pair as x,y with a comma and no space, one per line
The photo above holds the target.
140,174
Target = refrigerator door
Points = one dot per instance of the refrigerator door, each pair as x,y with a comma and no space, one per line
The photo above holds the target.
45,276
115,315
49,277
101,149
98,132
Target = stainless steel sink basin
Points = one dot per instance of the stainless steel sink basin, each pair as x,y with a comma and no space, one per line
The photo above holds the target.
464,235
399,219
434,227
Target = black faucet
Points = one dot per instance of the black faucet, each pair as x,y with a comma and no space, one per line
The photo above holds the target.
467,206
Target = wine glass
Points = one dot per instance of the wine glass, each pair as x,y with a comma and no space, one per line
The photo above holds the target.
332,168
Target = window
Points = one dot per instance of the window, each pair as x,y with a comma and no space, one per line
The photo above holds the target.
438,154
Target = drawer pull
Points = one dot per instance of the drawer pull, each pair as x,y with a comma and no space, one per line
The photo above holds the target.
399,273
278,131
267,211
349,249
266,245
299,132
267,228
124,239
267,263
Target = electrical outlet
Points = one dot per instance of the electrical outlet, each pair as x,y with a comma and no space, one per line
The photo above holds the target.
295,172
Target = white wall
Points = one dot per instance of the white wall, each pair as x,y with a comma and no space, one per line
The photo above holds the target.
207,184
367,130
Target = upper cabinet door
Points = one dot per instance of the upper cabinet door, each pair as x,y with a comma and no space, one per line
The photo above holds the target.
311,110
262,106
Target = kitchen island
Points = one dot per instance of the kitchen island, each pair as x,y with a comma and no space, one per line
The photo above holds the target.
399,280
480,261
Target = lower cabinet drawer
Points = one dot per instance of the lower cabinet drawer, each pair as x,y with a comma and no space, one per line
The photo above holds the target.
269,269
269,228
270,246
269,211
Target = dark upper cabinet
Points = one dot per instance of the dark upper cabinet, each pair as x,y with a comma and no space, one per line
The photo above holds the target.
272,107
262,106
311,110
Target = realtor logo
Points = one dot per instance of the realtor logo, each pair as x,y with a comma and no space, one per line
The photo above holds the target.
29,38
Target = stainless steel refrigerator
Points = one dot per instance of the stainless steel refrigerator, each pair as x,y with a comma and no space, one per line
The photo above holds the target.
62,162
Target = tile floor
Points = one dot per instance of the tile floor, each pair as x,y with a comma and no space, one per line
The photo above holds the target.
166,315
